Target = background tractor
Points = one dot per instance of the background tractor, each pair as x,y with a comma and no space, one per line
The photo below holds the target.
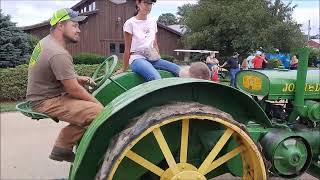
181,128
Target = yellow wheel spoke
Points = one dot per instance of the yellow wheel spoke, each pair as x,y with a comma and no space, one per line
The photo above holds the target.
215,151
145,163
225,158
165,150
184,141
252,161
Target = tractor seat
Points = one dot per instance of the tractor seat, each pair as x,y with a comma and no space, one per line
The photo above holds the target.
25,109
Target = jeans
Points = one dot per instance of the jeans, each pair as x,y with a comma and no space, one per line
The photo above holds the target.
210,66
147,69
233,73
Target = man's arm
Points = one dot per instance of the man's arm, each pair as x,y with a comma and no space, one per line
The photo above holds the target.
208,60
216,61
265,60
75,90
225,63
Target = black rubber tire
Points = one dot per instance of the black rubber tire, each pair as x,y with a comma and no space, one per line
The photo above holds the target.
153,116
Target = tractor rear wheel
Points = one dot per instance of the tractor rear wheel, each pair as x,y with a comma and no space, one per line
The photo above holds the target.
154,124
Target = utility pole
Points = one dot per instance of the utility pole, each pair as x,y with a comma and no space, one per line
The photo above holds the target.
309,28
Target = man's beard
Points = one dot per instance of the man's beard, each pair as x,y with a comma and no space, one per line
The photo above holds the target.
68,39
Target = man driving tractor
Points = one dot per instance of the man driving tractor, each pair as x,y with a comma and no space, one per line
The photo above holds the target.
55,89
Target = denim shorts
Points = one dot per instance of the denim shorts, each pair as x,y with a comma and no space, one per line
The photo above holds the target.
148,69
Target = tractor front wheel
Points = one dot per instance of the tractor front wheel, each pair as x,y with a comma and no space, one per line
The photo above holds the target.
149,146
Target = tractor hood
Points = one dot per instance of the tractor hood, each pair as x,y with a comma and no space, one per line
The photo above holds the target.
277,84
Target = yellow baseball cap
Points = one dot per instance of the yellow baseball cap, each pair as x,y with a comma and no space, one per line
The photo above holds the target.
66,14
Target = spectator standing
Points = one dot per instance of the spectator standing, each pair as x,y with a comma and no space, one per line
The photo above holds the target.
234,65
245,65
258,60
294,62
212,61
249,60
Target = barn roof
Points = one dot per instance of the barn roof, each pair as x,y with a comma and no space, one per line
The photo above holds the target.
84,1
169,29
45,23
78,4
180,28
315,40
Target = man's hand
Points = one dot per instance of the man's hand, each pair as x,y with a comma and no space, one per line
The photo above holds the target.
74,89
119,71
82,80
85,80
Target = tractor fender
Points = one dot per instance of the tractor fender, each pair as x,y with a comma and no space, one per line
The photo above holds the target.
119,112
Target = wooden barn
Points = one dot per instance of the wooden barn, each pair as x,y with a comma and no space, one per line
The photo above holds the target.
102,32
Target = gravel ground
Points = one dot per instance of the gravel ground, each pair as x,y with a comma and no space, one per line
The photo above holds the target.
26,144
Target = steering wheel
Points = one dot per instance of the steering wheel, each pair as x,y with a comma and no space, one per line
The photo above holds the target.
108,70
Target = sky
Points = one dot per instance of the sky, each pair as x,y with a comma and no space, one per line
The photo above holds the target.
26,12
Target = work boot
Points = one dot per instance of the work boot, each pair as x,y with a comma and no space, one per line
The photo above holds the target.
60,154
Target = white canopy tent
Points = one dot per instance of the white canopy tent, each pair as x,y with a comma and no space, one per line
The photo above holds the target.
188,51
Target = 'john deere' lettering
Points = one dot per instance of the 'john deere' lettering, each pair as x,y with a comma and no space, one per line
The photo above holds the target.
290,87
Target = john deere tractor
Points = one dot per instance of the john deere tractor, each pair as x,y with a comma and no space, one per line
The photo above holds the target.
187,129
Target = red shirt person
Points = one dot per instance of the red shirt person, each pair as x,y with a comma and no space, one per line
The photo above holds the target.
258,61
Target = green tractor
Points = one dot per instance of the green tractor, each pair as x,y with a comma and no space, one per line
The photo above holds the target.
185,129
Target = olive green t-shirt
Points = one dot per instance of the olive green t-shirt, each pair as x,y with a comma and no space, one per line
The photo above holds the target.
49,64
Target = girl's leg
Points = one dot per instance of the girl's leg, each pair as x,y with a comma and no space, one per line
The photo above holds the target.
145,69
166,65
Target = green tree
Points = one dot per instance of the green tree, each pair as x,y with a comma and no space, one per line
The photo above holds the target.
14,46
281,11
313,56
241,25
167,19
182,11
33,41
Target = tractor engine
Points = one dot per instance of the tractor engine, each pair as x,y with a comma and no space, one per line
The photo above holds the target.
278,110
291,100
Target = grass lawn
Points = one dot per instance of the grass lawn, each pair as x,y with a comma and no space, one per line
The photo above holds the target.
11,106
8,106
